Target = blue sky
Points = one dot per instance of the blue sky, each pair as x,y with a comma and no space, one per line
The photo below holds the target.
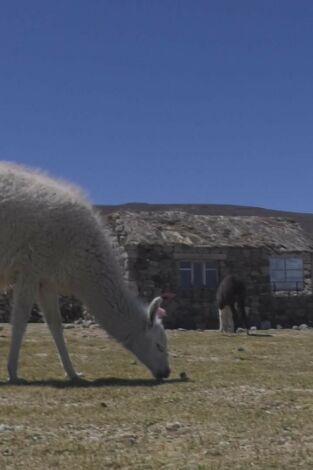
190,101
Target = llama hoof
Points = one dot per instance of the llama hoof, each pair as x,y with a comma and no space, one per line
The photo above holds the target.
77,379
17,381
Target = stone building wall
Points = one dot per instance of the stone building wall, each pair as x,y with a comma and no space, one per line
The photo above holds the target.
155,269
151,270
5,303
71,309
283,308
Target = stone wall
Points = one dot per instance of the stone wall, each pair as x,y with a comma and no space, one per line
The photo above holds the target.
5,303
152,270
71,309
155,269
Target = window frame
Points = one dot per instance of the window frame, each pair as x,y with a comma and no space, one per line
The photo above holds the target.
286,283
206,266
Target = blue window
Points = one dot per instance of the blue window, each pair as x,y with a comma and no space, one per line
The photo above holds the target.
286,273
211,279
197,274
186,276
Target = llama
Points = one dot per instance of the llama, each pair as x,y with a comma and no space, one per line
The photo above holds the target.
230,296
52,243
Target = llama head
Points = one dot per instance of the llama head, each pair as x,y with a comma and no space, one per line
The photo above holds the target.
150,346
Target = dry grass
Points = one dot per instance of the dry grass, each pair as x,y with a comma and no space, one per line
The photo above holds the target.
248,404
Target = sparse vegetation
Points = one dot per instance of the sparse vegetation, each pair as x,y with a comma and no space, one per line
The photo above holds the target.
248,403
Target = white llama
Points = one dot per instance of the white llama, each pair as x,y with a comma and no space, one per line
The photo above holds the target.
52,243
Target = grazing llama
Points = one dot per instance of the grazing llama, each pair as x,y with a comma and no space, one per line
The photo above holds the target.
53,243
231,295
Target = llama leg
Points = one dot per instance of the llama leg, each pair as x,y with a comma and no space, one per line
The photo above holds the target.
220,314
231,321
223,315
242,309
23,300
48,300
224,319
228,323
233,318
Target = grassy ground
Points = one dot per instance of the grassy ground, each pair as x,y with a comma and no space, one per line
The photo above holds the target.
248,403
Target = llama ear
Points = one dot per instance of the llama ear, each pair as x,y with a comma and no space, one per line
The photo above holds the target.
153,310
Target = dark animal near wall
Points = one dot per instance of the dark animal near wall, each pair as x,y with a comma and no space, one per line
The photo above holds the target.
231,298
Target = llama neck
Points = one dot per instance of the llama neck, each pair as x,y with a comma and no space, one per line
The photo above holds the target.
101,287
114,307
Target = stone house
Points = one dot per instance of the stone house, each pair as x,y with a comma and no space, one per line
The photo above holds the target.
189,254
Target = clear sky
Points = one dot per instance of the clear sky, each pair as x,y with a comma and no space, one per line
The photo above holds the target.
187,101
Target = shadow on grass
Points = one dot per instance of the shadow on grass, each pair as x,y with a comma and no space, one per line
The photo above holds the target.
261,335
242,335
103,382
